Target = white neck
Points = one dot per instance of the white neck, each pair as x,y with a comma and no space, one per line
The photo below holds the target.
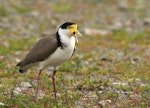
65,37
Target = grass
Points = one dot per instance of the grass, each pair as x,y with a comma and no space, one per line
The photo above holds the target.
82,73
3,11
4,32
21,9
16,45
87,79
63,9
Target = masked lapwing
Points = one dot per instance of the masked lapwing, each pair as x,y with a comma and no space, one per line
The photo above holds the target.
52,50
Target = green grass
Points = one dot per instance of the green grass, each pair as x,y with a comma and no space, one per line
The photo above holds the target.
127,38
3,11
17,44
64,8
21,9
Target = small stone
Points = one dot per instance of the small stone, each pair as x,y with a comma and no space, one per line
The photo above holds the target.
40,94
108,101
134,80
25,84
6,44
106,59
116,26
24,89
33,14
136,97
137,59
69,77
30,91
101,88
89,31
101,102
17,60
123,5
86,92
120,83
17,91
1,57
143,85
1,85
100,92
133,62
2,104
104,102
147,21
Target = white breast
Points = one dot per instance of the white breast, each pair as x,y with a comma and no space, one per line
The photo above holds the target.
60,55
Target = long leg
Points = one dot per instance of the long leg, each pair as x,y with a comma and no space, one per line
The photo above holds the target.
37,86
54,86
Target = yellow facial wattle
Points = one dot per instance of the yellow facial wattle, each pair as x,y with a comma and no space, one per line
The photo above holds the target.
73,30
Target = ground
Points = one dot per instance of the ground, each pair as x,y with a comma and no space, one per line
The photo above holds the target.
110,69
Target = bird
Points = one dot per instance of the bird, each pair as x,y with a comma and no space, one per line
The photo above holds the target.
52,50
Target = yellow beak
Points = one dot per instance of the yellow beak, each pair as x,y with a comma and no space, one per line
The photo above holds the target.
74,31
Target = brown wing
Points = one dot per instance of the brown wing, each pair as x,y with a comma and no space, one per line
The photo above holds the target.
40,51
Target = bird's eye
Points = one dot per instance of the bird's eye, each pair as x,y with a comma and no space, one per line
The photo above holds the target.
68,27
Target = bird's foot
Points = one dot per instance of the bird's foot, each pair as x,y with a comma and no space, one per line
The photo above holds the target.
44,89
35,100
55,97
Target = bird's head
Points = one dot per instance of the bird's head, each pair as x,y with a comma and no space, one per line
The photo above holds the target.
70,29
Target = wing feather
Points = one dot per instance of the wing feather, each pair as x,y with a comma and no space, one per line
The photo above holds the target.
40,51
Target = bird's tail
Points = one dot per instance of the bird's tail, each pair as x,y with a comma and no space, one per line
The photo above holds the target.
20,68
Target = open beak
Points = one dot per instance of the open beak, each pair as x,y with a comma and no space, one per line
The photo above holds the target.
74,31
78,33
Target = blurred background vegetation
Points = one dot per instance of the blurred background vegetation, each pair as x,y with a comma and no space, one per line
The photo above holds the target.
111,67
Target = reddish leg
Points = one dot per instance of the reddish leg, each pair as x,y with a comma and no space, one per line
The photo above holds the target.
54,87
37,86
